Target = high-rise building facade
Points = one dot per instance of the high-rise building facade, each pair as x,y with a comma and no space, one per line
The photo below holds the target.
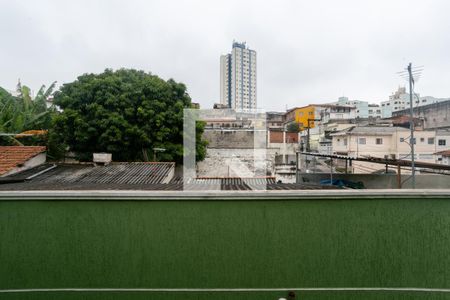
238,78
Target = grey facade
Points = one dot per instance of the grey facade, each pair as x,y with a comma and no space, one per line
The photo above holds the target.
434,116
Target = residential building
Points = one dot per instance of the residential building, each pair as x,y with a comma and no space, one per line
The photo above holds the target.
442,140
373,111
316,114
275,120
443,157
238,88
363,110
386,142
433,116
331,112
399,101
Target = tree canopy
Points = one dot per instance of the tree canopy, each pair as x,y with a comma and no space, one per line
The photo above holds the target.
22,112
125,112
293,127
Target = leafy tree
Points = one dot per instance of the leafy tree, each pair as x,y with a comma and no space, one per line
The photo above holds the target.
293,127
125,112
21,113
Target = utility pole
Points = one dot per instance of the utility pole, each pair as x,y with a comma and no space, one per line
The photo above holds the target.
412,75
411,125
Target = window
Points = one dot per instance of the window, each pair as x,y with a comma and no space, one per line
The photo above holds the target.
442,142
362,141
430,141
379,141
402,140
422,140
310,113
345,142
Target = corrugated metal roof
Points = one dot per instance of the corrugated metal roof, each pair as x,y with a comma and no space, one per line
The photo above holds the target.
114,173
135,176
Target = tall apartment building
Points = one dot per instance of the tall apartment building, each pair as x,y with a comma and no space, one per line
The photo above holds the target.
238,78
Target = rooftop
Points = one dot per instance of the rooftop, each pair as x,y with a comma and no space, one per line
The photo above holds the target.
370,130
132,176
444,153
15,156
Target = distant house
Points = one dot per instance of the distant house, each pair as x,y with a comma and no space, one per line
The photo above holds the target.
443,157
383,142
14,159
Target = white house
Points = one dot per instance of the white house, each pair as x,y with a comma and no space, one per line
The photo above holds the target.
384,142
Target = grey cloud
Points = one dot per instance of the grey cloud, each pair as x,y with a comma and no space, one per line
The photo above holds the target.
308,51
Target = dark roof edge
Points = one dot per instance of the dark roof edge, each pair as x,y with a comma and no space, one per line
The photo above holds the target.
224,195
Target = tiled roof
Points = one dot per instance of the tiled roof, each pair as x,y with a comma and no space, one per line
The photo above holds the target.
444,153
14,156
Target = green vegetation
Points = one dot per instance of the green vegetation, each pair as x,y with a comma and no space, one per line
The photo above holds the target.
21,113
225,244
124,112
293,127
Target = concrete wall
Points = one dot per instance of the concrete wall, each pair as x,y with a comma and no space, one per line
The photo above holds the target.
277,137
202,243
234,139
236,163
436,115
373,181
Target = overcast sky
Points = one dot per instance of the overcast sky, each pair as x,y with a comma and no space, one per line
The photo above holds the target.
308,51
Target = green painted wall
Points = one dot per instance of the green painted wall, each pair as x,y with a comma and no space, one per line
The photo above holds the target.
229,244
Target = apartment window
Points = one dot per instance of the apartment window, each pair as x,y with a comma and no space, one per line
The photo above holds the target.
422,140
442,142
310,113
362,141
345,142
430,141
379,141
